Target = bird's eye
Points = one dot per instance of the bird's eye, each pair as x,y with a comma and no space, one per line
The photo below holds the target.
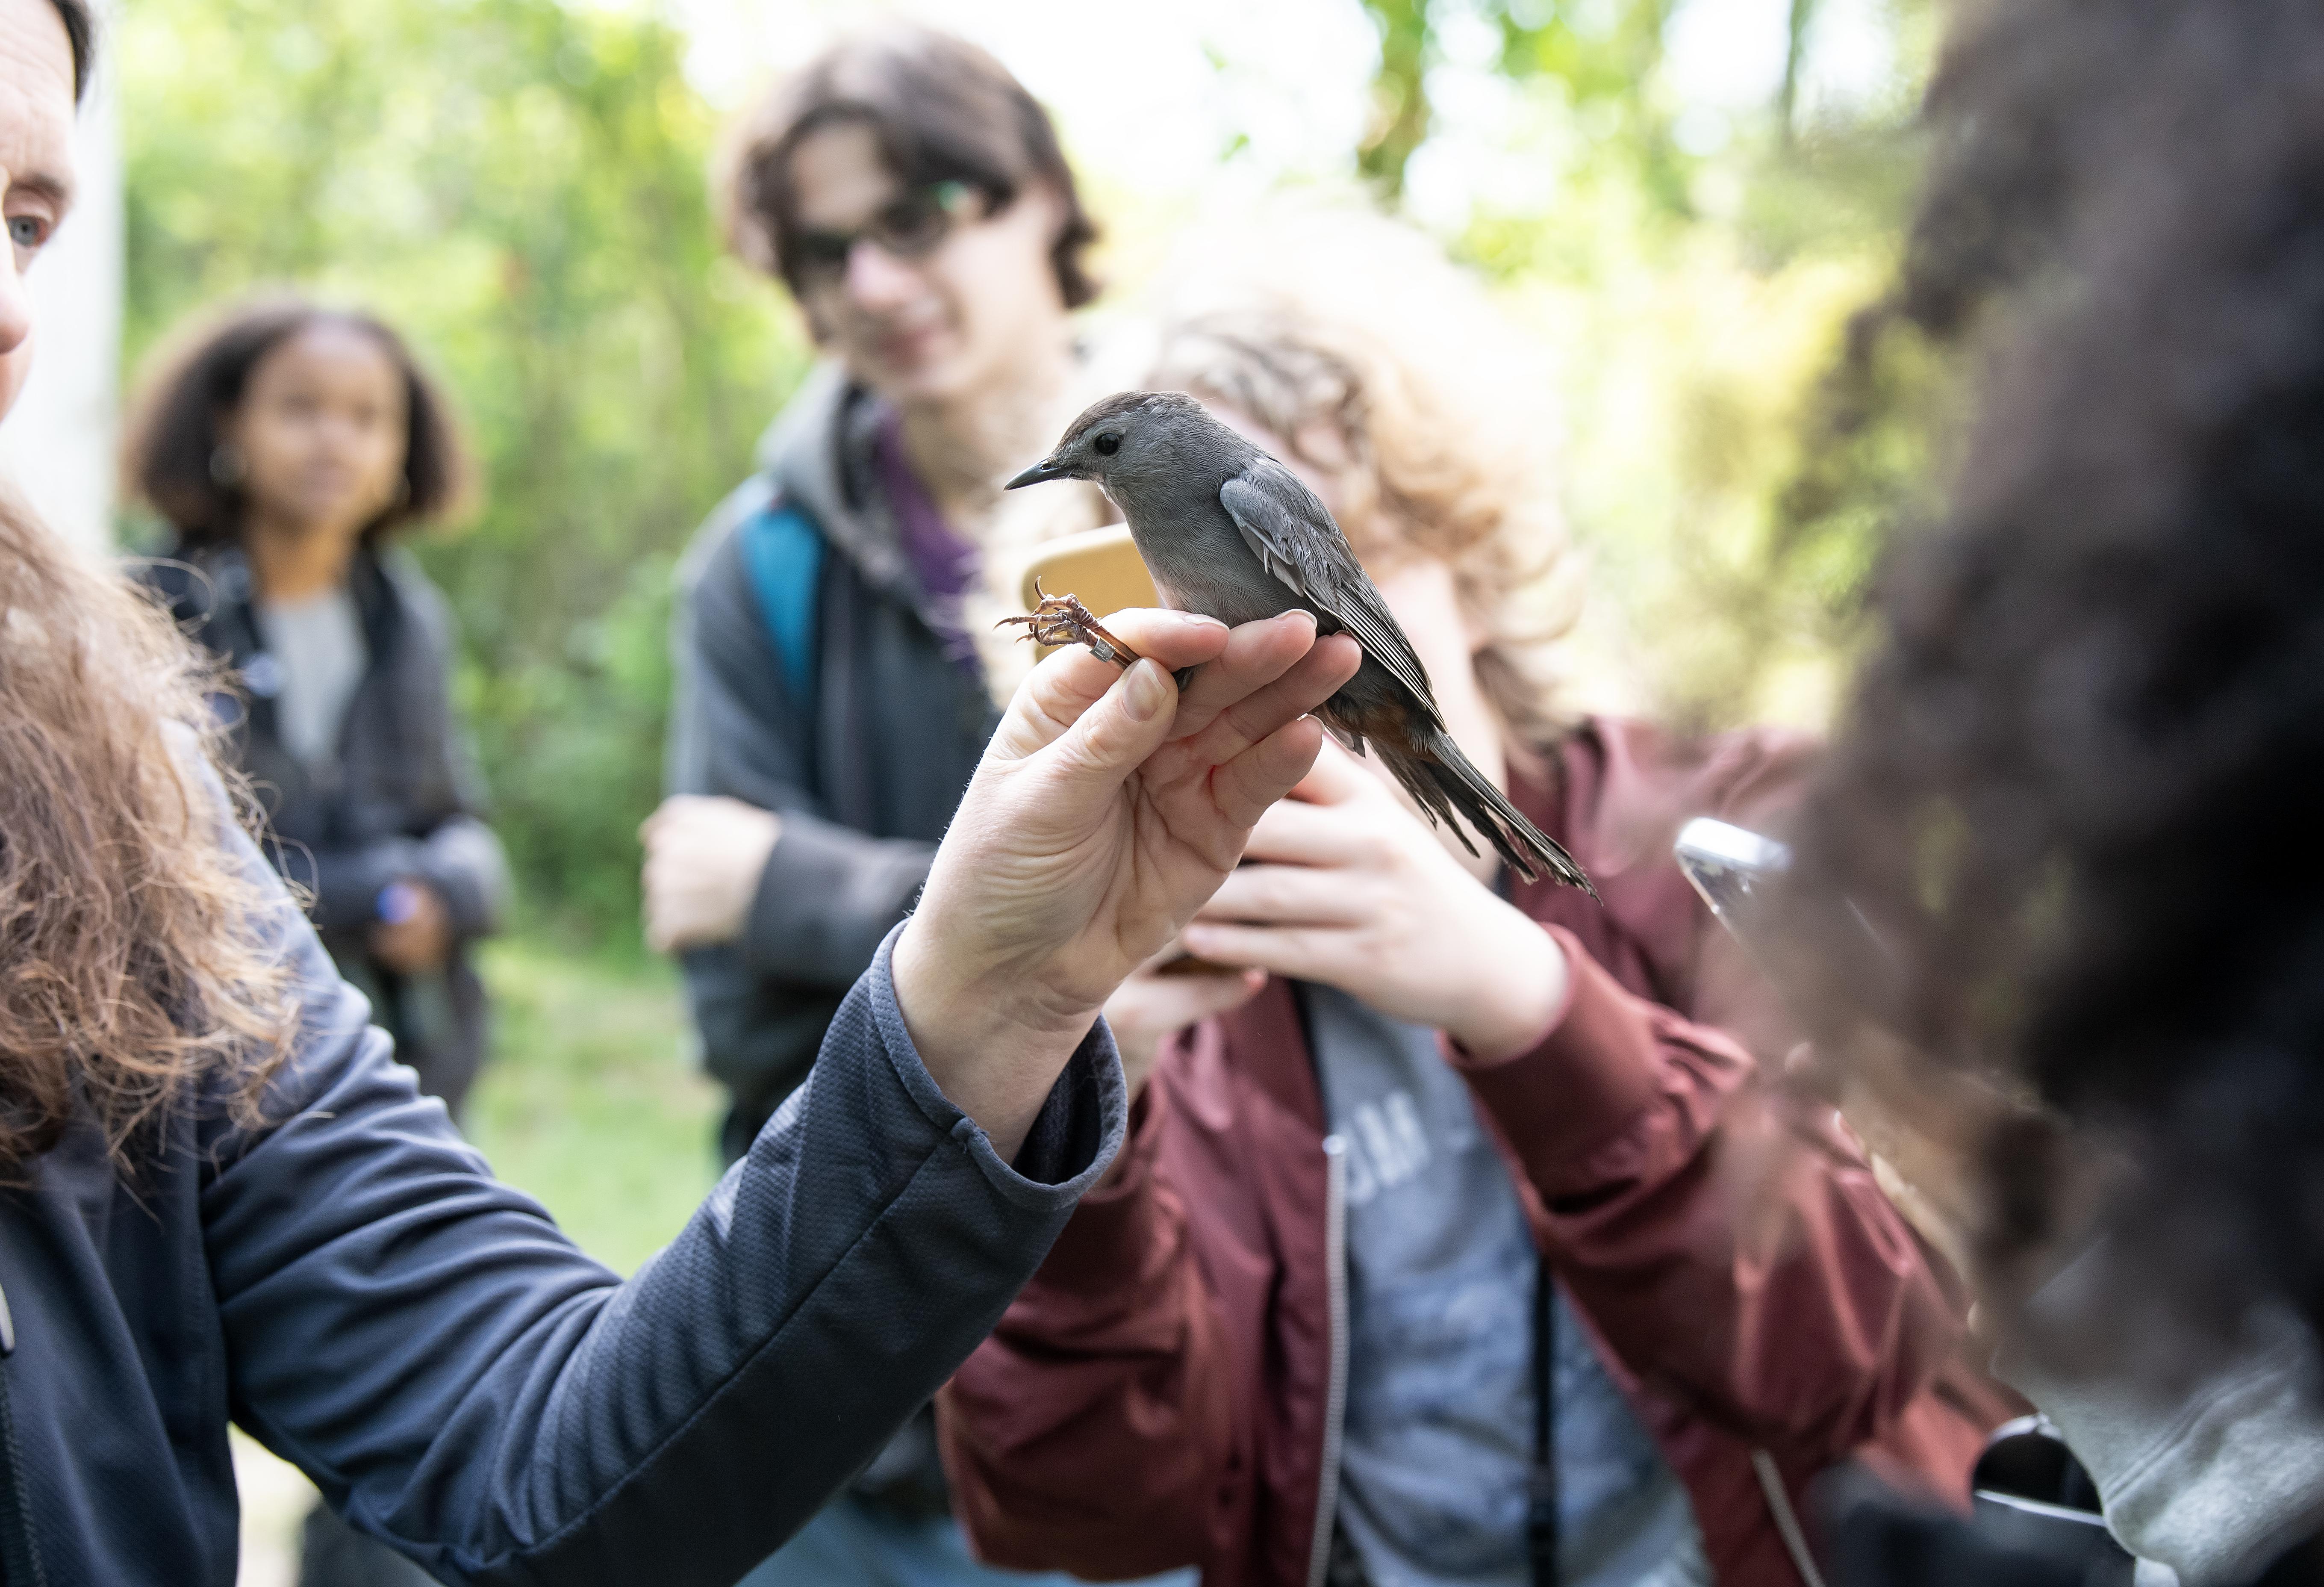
1107,443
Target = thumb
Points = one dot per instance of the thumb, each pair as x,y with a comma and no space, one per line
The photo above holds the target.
1114,737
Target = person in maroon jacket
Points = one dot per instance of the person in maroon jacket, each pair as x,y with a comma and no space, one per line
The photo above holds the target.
1460,1238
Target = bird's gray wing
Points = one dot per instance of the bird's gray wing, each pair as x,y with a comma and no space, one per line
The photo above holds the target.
1293,537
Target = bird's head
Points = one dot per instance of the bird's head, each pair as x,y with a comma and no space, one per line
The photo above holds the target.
1125,434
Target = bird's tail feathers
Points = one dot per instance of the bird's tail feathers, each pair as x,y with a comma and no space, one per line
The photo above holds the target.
1454,792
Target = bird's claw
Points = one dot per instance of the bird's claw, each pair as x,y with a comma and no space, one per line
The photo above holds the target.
1063,620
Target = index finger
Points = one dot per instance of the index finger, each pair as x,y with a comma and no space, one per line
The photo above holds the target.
1271,646
1296,833
1064,687
1244,718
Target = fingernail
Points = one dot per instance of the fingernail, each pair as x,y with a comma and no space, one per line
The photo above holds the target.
1303,612
1145,690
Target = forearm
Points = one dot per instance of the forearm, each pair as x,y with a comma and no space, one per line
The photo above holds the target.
463,860
1750,1265
758,1038
826,898
837,1279
824,894
343,884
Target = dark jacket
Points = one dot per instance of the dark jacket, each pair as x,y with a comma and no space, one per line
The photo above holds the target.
1162,1392
865,769
403,798
353,1288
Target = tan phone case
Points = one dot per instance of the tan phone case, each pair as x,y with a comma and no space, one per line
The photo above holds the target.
1099,566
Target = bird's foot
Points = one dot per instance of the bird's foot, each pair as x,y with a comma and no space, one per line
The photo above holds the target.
1063,620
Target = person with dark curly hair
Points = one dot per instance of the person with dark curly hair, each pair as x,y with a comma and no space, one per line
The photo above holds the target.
2059,899
287,446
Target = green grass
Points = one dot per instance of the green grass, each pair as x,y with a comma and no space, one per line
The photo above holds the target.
592,1101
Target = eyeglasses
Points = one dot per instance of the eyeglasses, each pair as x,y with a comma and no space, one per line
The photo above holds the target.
911,227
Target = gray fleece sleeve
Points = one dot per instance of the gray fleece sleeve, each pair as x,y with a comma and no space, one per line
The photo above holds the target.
826,898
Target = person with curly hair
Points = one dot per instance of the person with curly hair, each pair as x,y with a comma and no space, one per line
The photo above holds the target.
286,447
1434,1256
912,198
223,1203
2059,896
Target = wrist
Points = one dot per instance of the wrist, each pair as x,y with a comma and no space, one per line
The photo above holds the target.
963,999
985,1034
1518,1002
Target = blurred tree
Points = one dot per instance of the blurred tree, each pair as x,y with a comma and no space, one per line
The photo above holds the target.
1598,53
1735,459
520,186
1798,20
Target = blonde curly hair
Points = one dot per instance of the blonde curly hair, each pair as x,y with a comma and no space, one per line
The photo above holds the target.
1373,360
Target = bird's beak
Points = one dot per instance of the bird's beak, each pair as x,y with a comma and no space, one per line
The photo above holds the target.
1047,468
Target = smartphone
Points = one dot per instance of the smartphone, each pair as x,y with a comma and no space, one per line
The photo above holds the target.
1727,863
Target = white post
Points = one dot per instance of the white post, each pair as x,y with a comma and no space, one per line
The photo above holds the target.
56,448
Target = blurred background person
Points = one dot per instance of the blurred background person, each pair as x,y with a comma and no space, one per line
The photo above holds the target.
2073,799
911,196
1478,1088
285,446
285,449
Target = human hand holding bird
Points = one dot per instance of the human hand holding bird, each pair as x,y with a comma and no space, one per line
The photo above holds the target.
1229,532
1341,886
1107,808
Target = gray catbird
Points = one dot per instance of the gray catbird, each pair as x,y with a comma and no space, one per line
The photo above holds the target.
1229,532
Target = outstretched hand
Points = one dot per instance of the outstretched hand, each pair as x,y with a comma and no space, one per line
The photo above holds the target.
1108,807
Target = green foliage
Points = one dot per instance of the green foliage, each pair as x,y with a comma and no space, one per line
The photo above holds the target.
1601,54
1732,481
593,1103
519,186
1401,109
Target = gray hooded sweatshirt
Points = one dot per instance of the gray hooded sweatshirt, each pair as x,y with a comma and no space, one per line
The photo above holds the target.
865,761
2205,1482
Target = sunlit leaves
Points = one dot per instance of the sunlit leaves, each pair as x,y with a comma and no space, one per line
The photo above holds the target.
520,186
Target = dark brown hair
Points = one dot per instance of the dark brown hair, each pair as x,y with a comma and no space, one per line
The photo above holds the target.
80,32
200,380
2074,800
940,109
141,958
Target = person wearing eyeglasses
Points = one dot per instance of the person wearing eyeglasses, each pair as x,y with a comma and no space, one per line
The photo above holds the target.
912,197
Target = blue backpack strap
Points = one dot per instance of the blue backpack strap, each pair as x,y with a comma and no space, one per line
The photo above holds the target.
784,552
